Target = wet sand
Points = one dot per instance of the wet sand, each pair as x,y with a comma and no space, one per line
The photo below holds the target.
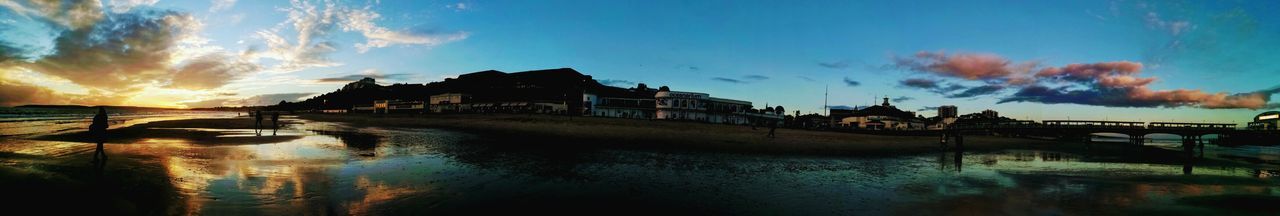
213,131
691,136
475,164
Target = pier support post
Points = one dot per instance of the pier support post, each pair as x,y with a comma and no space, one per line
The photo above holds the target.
1188,144
1200,143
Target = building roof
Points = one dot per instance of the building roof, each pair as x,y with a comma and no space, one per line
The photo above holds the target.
1268,113
884,109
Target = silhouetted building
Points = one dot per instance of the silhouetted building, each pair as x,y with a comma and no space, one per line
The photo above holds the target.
947,111
407,107
1266,121
947,115
363,108
883,116
380,106
449,103
553,91
990,114
609,101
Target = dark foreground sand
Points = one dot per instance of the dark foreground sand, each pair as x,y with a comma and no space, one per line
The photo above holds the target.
651,134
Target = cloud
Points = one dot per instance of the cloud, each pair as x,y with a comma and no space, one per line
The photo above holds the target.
851,83
901,99
211,71
835,65
258,100
69,14
121,6
207,103
619,83
120,52
361,20
313,24
460,6
1141,97
1112,84
744,80
15,93
728,80
935,86
919,83
977,91
805,78
755,77
310,49
1174,28
1087,72
272,99
841,107
927,108
221,5
969,66
367,73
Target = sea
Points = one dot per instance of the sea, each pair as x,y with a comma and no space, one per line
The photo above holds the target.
24,121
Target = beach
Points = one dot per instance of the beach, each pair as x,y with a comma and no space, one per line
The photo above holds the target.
467,164
674,135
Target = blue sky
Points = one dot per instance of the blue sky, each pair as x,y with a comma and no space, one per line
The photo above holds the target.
780,53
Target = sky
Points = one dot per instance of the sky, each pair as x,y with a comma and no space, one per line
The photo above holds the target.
1192,61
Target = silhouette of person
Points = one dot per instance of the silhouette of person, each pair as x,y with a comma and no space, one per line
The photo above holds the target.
257,125
943,143
275,122
773,126
98,131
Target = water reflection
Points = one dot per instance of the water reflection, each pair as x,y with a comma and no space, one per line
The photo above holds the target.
337,169
955,160
361,142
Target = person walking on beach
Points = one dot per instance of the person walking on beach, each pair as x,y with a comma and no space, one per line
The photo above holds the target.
98,131
275,122
257,124
773,126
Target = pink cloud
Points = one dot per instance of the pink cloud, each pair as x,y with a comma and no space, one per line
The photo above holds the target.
1124,81
1079,72
970,66
1113,84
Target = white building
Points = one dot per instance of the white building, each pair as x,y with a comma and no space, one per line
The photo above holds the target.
449,103
883,116
702,107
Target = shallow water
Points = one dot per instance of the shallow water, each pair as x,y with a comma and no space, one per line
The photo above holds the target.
338,169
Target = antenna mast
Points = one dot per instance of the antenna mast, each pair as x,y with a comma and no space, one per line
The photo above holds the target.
825,108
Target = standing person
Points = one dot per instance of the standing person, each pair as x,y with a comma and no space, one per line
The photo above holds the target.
257,125
275,122
98,130
773,125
